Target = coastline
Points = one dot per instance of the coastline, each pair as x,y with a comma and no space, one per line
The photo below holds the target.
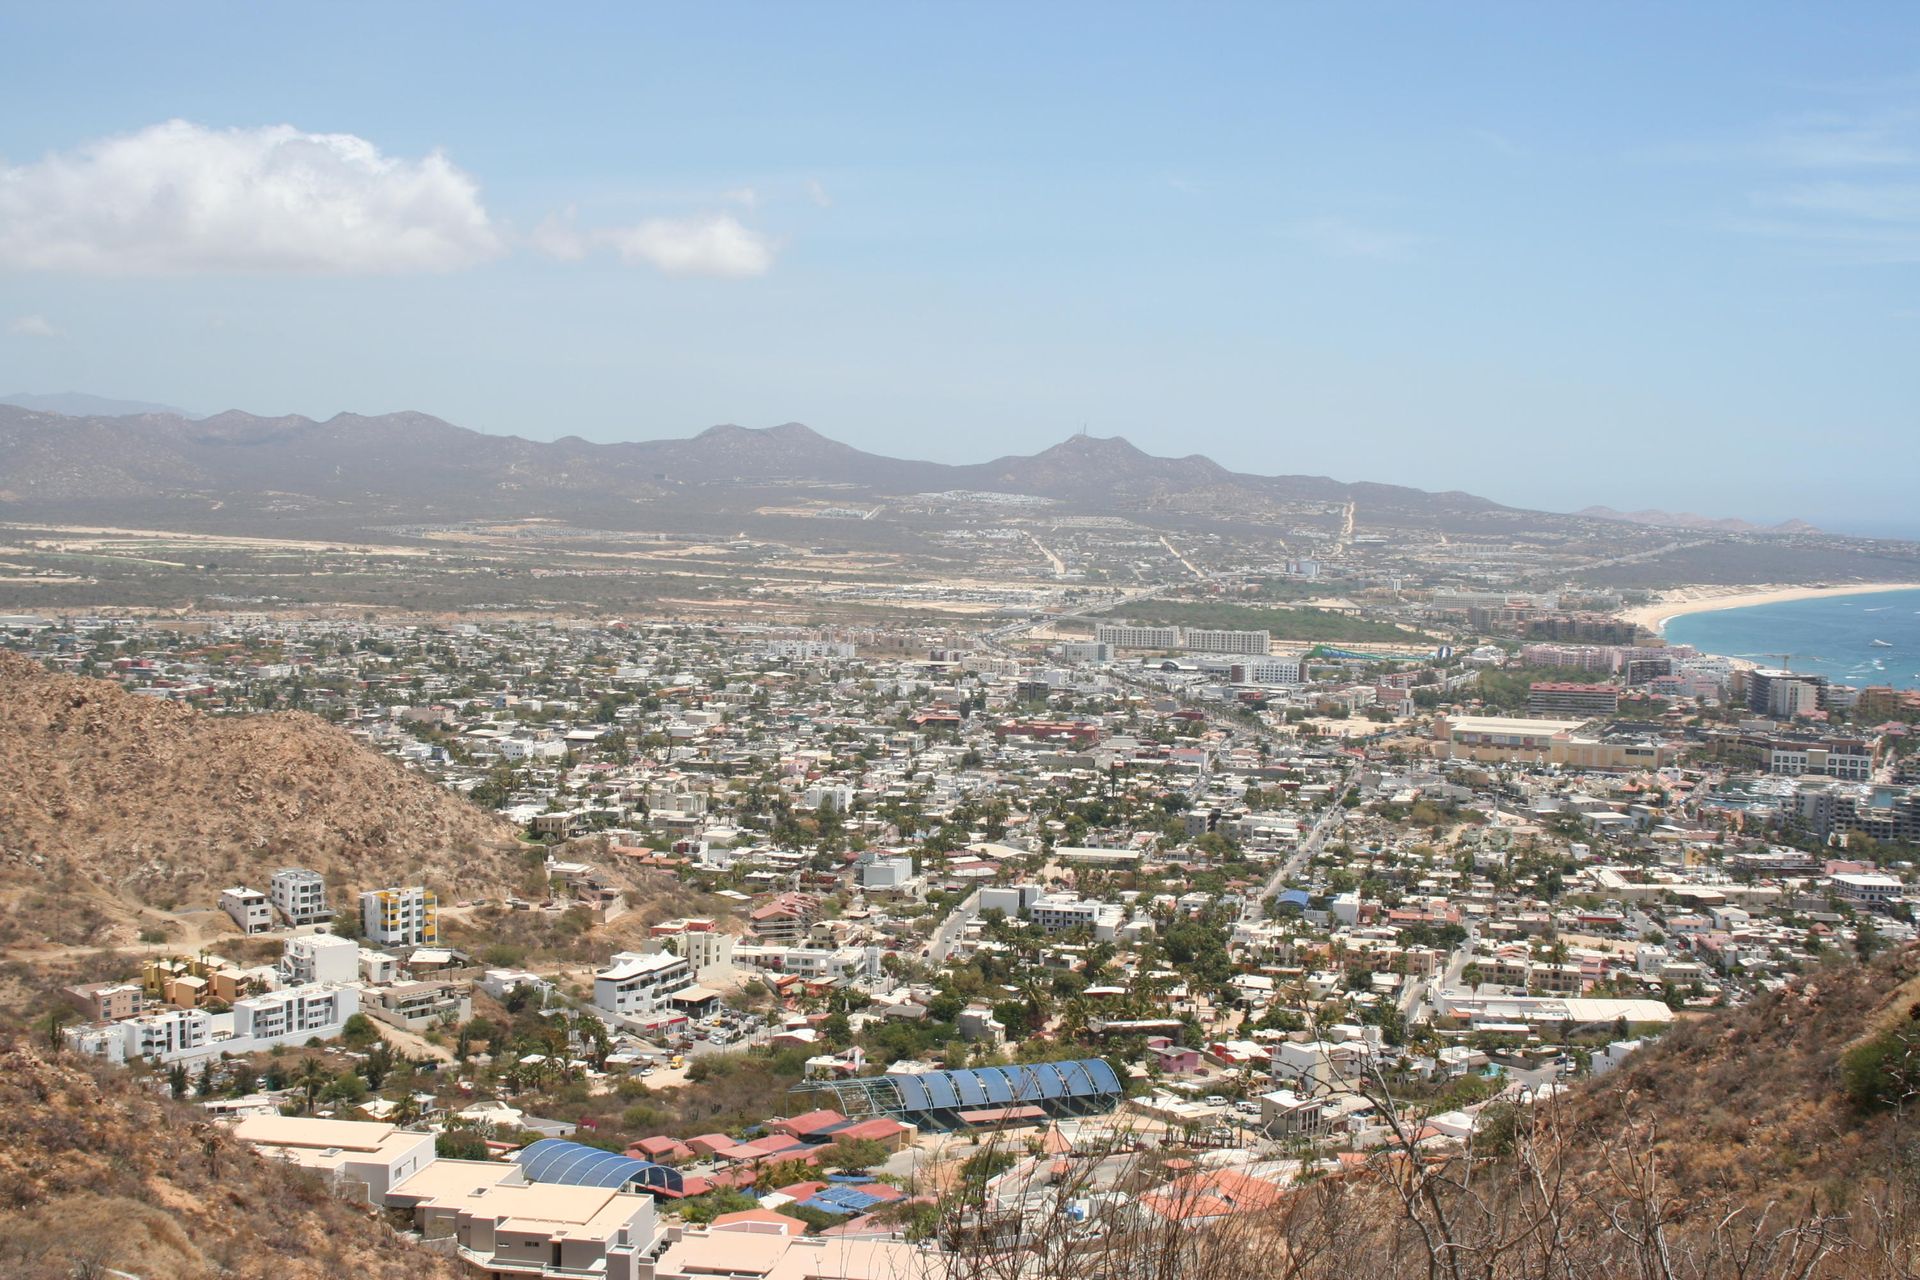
1685,600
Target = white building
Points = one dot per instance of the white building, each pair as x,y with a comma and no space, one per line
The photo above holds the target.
297,1014
636,985
1125,637
1252,643
299,895
167,1034
249,908
1269,671
1057,911
879,871
1868,888
400,917
319,957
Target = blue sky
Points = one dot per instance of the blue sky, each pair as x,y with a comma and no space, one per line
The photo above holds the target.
1636,255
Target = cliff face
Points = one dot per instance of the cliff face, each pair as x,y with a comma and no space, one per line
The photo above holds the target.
98,1172
155,803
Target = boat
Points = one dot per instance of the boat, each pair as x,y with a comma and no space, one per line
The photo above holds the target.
1881,644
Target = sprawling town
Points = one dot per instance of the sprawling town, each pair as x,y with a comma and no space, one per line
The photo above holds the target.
842,949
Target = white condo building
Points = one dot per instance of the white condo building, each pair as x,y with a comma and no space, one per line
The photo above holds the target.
400,917
299,895
636,985
1252,643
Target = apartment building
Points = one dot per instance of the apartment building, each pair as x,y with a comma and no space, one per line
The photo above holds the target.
248,908
1850,759
296,1013
1253,643
1782,694
109,1001
1269,671
414,1006
167,1034
699,941
1128,637
785,920
636,985
299,895
1552,699
398,917
318,958
1055,912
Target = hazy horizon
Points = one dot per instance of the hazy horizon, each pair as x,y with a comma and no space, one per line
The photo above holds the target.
1554,258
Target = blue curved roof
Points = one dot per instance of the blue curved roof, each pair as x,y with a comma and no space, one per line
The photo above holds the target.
982,1086
576,1165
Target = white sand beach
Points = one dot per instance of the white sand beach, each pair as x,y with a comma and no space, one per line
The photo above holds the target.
1684,600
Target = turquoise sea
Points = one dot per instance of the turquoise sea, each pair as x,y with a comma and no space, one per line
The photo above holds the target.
1833,636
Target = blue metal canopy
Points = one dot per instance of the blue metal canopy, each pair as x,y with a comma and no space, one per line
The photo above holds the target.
576,1165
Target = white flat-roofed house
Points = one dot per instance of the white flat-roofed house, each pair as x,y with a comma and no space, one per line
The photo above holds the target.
249,908
375,1155
319,957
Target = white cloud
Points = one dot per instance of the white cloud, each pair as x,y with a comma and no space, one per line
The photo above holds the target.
34,326
1342,239
817,192
708,245
180,198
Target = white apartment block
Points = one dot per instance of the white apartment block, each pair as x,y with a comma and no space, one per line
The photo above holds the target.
1851,761
1253,643
297,1013
168,1034
299,895
1057,911
806,649
707,949
319,957
400,917
636,985
248,908
1269,671
1124,637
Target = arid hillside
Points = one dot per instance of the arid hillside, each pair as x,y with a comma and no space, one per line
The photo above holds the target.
97,1172
124,799
1767,1102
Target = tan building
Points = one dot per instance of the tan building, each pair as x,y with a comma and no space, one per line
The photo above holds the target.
504,1225
1503,739
378,1157
767,1254
109,1001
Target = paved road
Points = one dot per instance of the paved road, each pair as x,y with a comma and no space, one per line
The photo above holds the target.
1314,841
948,934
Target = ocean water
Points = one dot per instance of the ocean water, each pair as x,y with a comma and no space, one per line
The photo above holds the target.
1832,636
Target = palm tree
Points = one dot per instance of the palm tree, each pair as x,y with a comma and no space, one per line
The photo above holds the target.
406,1111
311,1079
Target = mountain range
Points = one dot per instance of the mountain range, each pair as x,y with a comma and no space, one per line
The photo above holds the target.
415,466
